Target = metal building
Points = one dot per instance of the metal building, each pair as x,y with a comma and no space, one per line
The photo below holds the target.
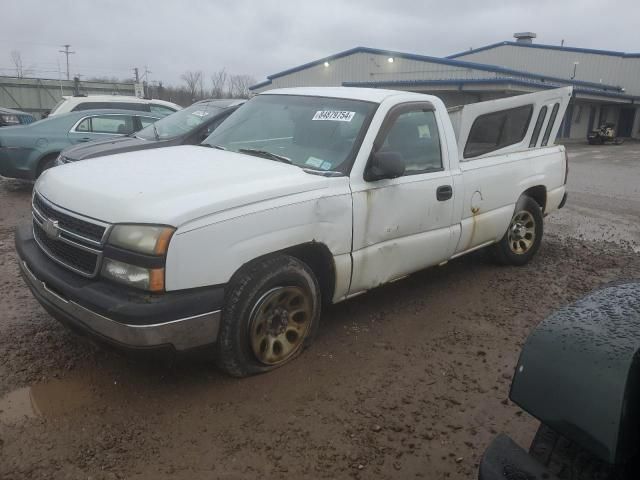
606,84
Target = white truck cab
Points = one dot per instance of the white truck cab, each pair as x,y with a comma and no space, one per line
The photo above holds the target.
305,196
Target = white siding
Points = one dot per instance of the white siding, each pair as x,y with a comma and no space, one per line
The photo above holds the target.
368,67
608,69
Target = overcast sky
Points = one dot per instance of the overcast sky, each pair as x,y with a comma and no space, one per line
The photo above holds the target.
259,38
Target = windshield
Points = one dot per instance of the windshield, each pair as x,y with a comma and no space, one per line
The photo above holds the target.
311,132
57,106
179,123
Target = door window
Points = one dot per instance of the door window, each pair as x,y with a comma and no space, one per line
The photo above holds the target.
112,124
146,121
84,125
414,135
161,110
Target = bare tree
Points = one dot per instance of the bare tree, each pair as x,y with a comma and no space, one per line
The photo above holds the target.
239,85
219,83
194,82
16,58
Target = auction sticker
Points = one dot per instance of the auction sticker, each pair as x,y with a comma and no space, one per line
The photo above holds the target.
200,113
334,115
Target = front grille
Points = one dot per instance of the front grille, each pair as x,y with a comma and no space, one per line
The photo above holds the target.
68,255
74,225
73,242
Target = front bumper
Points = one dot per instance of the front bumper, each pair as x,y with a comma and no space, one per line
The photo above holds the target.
17,163
124,317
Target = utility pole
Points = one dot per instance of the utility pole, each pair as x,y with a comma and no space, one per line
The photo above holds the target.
67,52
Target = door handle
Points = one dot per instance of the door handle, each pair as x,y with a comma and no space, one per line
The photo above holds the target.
444,193
84,139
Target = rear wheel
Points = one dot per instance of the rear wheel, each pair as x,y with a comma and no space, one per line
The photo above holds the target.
523,236
271,314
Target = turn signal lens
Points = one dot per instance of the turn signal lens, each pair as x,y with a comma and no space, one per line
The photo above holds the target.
151,279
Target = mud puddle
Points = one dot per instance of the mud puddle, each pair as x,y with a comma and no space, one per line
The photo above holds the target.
46,400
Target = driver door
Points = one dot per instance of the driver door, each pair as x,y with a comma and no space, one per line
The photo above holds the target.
403,224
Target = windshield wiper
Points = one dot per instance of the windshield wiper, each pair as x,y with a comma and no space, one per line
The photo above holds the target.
208,145
265,154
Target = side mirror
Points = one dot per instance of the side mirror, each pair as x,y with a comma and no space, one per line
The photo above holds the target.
384,165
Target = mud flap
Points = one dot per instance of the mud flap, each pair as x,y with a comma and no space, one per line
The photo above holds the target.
579,372
504,459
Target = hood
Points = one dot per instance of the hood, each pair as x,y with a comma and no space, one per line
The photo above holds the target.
109,146
172,185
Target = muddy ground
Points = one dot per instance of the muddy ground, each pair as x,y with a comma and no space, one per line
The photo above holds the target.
410,381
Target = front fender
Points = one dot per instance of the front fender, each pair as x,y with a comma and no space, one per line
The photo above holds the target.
579,372
211,254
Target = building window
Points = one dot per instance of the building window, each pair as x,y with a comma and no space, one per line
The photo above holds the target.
578,114
497,130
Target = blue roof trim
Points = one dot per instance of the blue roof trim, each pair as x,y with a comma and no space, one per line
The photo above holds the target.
546,47
424,58
461,81
260,85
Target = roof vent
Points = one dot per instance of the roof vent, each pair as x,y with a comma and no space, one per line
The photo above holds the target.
524,37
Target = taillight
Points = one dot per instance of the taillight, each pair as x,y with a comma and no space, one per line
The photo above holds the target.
566,166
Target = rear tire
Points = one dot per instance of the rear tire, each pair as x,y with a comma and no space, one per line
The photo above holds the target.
567,460
271,313
522,239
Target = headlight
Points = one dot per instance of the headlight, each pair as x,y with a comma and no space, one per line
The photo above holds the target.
9,119
151,279
147,239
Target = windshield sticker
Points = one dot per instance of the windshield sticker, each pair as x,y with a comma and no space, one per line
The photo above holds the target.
325,166
314,162
334,115
200,113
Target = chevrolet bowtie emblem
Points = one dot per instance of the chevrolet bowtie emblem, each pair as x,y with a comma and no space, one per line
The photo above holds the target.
50,227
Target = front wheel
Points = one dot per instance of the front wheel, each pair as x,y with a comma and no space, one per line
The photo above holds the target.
568,461
271,314
523,236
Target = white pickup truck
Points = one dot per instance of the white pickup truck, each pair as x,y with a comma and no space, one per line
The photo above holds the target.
306,196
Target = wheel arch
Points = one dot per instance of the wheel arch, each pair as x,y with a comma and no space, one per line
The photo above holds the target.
316,256
539,194
42,160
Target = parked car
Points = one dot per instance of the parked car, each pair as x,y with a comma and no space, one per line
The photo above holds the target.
159,108
578,374
189,126
28,150
10,117
306,196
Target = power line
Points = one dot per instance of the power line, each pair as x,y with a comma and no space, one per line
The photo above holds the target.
67,53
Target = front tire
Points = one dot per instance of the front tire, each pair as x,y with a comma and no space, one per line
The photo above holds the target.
271,313
567,460
522,239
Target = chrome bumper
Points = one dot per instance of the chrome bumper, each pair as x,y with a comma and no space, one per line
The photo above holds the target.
182,333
